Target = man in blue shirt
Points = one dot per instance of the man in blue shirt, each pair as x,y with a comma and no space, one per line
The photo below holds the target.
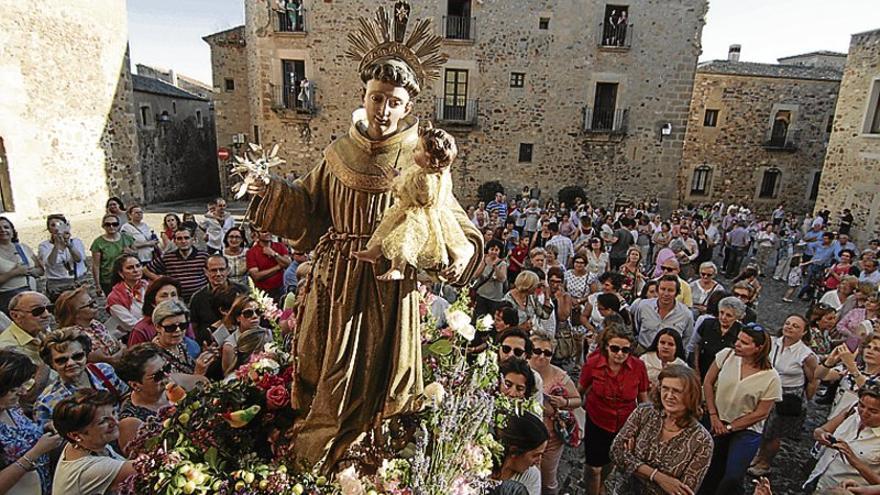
499,205
823,257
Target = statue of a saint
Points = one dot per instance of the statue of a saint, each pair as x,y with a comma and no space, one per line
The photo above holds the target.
358,344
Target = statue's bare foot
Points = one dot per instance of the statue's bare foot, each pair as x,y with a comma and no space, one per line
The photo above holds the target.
368,255
390,275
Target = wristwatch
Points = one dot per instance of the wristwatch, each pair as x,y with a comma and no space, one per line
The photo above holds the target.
729,427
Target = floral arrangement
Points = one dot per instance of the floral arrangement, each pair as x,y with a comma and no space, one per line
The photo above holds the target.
230,438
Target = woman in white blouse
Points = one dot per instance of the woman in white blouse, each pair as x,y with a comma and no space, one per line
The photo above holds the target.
796,364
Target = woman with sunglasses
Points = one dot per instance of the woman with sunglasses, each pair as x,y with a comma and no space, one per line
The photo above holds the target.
703,287
842,367
19,266
65,351
243,318
612,382
740,389
77,308
26,468
562,405
105,249
88,464
161,289
126,299
147,374
171,320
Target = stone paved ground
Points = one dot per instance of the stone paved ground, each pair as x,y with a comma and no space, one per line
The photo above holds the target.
793,464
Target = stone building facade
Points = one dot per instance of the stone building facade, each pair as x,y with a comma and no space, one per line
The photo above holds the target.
67,121
851,178
181,81
757,133
537,93
232,115
176,142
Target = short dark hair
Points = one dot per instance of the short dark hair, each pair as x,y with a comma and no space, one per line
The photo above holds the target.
394,72
670,278
223,297
510,316
77,411
117,267
153,289
556,271
15,370
615,278
439,145
679,346
523,433
11,226
520,367
495,243
55,216
244,239
553,227
130,365
518,333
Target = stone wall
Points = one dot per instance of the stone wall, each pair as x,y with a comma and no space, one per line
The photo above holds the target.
736,149
231,107
562,65
66,114
185,83
178,159
851,178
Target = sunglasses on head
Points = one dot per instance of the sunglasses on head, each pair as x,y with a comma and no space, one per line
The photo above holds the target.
506,349
176,327
544,352
756,327
76,356
616,349
250,313
162,372
91,304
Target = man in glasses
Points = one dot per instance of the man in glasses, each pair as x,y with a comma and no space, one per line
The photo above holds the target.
653,315
31,316
515,342
745,292
186,264
202,306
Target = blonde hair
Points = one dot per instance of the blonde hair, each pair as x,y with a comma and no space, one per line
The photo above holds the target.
526,281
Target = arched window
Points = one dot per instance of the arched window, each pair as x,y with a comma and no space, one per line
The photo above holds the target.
701,180
779,133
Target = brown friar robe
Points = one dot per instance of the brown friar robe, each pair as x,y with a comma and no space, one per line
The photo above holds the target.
358,344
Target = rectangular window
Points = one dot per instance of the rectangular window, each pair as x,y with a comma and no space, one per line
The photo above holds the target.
525,152
874,109
700,181
614,25
199,122
544,23
830,125
605,105
256,134
146,116
769,183
455,92
458,20
711,118
293,72
230,84
517,79
814,187
290,19
174,107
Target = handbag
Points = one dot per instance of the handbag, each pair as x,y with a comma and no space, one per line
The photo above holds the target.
472,292
567,424
566,341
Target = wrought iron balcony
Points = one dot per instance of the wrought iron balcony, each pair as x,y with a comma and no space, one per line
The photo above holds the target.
289,98
615,36
459,27
453,110
608,120
293,21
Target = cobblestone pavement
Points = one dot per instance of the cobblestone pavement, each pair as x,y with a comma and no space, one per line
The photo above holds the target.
793,463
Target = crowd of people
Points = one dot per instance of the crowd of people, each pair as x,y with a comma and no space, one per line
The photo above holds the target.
613,324
683,388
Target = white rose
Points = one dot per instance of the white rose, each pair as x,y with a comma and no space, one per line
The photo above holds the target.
468,332
349,483
457,320
435,394
486,322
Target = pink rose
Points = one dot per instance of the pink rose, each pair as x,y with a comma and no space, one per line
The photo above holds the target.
277,397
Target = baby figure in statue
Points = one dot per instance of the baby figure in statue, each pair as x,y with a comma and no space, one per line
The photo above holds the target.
419,229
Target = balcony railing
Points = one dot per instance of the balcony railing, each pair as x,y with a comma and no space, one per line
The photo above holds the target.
459,27
784,142
605,120
291,21
615,35
456,111
294,99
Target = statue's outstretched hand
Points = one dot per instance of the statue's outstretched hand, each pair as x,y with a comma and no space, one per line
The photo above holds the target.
454,271
256,187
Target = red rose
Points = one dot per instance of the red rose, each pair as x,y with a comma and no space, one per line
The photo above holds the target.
277,397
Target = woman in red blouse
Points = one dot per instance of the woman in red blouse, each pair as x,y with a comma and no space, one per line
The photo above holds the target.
613,382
